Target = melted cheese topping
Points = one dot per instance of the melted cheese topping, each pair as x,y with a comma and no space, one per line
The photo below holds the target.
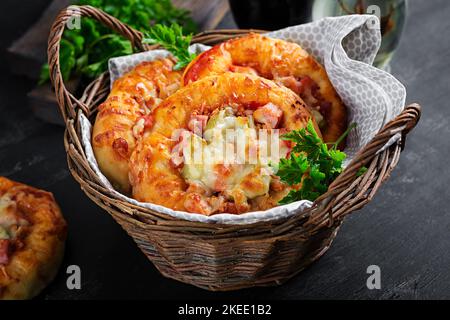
5,218
9,218
208,164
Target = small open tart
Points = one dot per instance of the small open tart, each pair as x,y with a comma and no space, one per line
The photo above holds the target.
32,236
283,62
121,119
212,143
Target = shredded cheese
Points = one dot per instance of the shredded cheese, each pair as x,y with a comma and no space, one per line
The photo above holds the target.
220,160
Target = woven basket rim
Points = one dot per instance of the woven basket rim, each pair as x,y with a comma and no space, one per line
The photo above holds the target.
323,206
221,257
235,219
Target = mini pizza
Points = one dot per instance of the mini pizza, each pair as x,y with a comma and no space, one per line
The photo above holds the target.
283,62
125,114
182,160
32,237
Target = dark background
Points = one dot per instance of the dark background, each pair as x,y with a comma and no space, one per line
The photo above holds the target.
405,230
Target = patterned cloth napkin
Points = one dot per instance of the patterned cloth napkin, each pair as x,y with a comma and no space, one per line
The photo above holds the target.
347,47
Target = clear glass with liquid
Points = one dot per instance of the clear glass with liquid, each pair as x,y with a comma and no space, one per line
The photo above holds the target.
392,14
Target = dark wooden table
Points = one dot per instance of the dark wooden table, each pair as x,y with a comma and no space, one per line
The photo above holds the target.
405,230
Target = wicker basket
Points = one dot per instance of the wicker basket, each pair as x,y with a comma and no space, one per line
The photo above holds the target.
216,256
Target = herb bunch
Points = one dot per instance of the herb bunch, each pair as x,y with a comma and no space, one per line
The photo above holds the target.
312,164
85,52
173,40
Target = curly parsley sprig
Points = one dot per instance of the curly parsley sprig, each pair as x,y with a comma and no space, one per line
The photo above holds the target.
173,40
85,51
312,164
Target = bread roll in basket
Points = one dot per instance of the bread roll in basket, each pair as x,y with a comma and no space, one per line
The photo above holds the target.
215,256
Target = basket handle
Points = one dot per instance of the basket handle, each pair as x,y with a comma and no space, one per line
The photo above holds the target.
67,102
350,192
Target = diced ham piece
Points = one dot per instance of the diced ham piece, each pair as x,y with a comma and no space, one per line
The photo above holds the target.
148,121
142,123
120,147
290,82
176,160
176,156
171,88
268,114
197,123
285,149
4,251
194,202
246,70
305,87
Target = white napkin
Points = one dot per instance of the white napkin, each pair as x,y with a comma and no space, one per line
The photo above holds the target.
347,47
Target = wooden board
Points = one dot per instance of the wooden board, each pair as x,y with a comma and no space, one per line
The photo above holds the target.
404,230
207,13
43,103
27,54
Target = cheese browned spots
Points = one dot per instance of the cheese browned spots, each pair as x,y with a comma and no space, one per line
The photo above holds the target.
10,222
202,155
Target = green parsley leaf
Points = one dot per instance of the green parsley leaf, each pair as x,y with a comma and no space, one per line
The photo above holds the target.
90,47
311,164
293,196
44,75
291,170
173,40
67,54
316,175
361,171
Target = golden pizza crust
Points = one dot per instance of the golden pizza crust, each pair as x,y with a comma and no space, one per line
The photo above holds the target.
285,63
154,179
124,115
38,251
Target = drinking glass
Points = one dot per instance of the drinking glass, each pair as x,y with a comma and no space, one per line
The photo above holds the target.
270,14
392,14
